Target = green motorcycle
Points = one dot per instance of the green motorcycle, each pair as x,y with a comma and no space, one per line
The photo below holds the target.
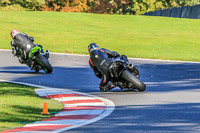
36,60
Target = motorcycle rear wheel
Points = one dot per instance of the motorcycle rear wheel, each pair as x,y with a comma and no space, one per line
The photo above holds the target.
128,76
44,63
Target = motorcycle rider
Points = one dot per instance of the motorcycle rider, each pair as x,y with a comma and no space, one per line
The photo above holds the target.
100,61
22,44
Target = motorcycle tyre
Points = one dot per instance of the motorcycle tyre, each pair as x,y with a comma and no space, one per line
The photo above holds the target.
44,63
128,76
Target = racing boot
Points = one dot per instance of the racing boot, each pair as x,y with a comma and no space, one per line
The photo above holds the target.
21,60
108,87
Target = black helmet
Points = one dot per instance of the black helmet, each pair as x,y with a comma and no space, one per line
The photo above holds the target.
92,46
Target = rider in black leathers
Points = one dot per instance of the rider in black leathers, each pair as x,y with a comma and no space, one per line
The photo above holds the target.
100,61
22,44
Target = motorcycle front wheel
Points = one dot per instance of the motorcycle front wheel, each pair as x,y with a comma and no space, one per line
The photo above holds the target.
44,63
128,76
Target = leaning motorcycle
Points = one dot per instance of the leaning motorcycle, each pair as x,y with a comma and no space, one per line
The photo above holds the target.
125,75
35,59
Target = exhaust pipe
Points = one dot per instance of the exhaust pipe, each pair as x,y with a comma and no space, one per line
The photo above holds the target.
130,66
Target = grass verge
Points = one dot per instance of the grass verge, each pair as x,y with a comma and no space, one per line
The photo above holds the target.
135,36
20,105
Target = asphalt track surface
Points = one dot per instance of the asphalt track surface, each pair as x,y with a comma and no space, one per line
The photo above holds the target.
171,102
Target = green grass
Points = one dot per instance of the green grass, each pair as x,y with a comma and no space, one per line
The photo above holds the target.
19,105
135,36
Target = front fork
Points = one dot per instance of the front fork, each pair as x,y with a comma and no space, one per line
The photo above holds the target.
134,70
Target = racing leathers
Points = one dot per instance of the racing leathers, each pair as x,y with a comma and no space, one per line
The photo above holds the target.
100,61
21,46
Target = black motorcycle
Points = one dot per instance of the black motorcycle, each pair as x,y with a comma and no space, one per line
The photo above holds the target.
125,75
36,60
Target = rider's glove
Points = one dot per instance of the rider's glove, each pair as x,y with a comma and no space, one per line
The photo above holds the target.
115,54
32,39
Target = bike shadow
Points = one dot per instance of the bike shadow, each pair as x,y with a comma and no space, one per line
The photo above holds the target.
19,70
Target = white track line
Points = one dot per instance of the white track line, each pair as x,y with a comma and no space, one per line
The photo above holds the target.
51,92
56,122
80,112
74,98
84,104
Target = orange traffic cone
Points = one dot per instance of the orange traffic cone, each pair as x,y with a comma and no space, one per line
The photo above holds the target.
45,109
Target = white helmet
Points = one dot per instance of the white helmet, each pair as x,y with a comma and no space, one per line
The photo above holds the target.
13,33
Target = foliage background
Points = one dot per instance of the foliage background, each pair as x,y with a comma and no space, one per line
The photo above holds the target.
98,6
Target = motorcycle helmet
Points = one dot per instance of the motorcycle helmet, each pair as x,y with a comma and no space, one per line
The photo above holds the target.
13,33
92,46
